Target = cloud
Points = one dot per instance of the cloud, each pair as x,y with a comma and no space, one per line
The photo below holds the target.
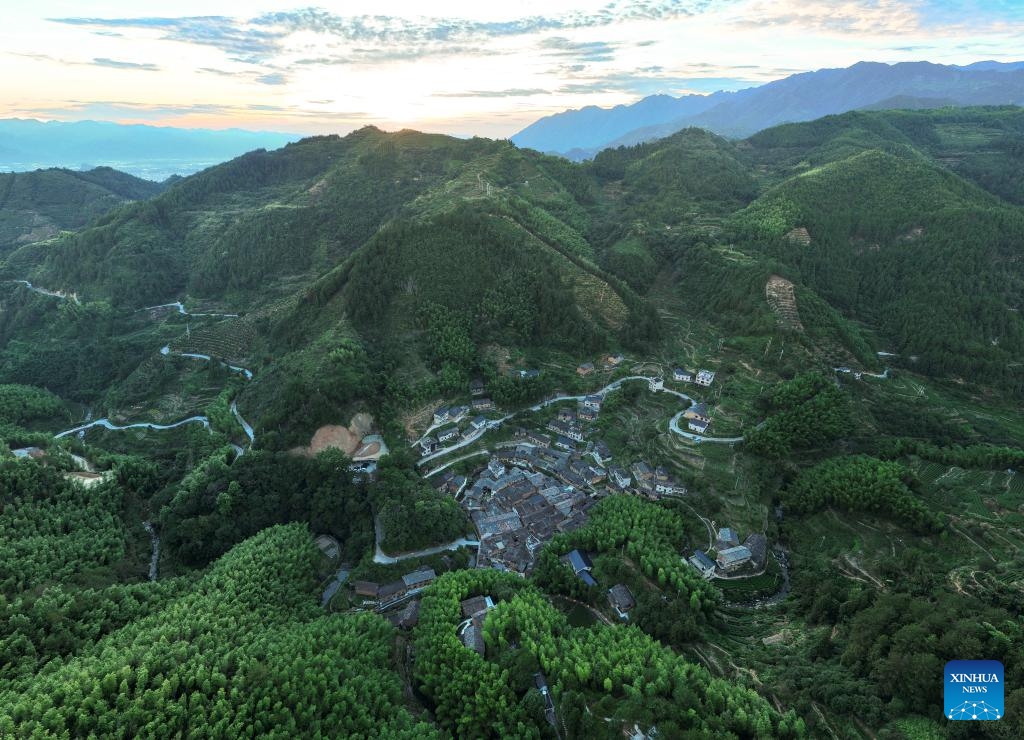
387,55
96,62
515,92
880,17
583,51
273,78
641,82
833,16
120,109
264,37
117,64
238,40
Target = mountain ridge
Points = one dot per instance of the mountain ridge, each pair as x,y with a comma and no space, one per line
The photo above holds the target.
800,97
38,205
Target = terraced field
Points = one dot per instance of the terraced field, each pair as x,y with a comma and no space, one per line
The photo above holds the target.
230,339
782,301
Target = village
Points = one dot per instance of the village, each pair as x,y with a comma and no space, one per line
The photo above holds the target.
543,481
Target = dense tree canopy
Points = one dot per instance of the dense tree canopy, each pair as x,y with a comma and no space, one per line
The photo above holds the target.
246,652
808,411
863,484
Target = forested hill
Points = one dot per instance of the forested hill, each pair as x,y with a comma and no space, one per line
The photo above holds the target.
37,205
897,238
905,213
239,416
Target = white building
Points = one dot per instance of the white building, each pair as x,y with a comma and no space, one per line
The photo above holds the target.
682,376
705,377
698,425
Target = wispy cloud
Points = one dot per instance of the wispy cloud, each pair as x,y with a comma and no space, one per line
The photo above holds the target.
581,51
841,16
515,92
118,64
264,37
95,62
881,17
639,84
142,111
272,78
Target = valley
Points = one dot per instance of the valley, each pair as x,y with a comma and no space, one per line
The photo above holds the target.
403,435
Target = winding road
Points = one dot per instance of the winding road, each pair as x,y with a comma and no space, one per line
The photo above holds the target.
154,539
43,291
613,386
106,424
166,350
181,309
380,557
198,419
850,371
673,425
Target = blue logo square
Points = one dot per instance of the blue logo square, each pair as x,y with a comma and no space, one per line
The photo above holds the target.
974,690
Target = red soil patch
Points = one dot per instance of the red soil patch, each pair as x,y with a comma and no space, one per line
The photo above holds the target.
333,437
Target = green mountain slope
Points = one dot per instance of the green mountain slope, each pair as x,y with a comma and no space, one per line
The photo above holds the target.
356,284
979,144
669,178
235,229
911,248
871,195
37,205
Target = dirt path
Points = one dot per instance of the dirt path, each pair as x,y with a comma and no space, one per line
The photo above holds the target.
856,566
736,668
966,537
597,614
824,722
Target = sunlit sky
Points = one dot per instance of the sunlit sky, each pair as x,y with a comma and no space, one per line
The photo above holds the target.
485,68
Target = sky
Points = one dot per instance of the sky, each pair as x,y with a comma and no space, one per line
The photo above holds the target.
483,68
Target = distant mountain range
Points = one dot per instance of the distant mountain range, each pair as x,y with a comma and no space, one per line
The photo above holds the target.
579,134
151,152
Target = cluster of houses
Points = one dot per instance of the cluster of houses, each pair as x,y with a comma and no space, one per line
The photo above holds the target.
619,596
535,489
610,361
574,466
702,377
643,479
450,417
516,511
381,596
731,556
566,424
